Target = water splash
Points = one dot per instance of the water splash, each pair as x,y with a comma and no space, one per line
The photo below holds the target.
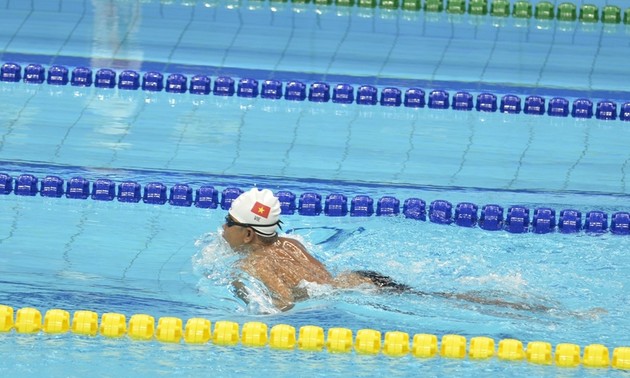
215,260
217,265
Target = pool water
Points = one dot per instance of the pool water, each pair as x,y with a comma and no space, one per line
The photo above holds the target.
169,261
142,259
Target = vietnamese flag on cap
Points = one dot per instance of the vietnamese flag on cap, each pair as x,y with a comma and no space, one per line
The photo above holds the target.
261,210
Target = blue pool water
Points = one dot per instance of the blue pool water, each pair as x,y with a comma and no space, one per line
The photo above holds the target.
167,260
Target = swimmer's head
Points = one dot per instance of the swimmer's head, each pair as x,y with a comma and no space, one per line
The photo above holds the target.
258,209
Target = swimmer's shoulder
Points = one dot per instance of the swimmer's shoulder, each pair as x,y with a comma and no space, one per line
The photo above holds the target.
284,241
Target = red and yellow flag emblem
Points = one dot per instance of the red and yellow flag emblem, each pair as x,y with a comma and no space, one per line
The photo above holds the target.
261,210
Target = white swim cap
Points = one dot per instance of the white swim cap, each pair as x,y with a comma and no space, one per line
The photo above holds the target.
258,209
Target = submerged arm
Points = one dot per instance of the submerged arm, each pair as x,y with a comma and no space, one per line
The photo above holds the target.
242,293
281,295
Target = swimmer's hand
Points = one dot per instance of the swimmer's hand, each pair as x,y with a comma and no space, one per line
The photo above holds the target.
240,291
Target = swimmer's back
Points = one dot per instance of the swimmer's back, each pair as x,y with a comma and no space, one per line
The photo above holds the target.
282,266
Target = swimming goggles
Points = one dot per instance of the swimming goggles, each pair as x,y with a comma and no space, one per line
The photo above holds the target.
231,222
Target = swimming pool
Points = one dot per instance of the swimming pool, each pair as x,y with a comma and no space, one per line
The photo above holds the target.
166,261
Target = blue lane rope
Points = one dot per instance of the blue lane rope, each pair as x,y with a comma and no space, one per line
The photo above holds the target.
294,90
490,217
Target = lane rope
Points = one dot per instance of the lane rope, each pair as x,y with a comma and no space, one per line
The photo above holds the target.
319,91
143,327
489,217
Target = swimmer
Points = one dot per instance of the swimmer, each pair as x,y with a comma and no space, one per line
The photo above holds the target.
281,263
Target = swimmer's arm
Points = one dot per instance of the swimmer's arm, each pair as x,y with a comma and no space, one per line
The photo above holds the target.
241,293
281,295
283,306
